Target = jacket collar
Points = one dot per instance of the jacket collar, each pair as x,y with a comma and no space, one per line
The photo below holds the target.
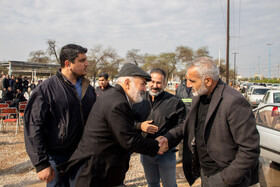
85,82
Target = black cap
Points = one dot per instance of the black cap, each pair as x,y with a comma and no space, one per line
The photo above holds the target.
131,70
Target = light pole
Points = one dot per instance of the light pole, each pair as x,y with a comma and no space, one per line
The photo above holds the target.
269,59
259,67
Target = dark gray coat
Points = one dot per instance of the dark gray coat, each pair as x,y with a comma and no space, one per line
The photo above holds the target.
230,135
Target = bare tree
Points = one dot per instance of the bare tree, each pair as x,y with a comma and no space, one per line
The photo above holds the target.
165,61
100,58
133,57
39,57
52,49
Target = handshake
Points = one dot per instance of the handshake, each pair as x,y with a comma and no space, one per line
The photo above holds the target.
147,126
163,144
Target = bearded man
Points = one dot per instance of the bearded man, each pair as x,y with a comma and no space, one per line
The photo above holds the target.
101,158
221,142
164,111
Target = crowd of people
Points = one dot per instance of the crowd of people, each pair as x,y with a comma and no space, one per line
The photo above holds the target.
76,135
15,89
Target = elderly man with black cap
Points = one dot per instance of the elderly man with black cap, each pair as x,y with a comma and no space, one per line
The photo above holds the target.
102,156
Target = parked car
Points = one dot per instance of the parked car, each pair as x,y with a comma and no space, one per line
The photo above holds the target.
270,97
268,125
256,95
275,86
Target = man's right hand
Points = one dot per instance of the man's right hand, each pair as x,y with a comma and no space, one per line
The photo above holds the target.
46,174
147,127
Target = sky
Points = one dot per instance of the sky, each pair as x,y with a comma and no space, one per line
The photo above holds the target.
152,26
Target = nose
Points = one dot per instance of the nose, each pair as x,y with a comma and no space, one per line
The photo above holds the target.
86,63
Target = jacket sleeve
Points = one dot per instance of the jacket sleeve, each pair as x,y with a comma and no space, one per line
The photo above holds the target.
175,135
122,127
34,125
242,125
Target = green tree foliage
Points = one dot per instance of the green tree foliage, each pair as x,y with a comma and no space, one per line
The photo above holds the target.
38,57
184,54
202,51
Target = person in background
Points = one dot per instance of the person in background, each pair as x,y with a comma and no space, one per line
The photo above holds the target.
185,94
164,111
221,141
25,84
5,82
12,81
19,98
104,84
20,82
8,95
16,86
32,86
56,114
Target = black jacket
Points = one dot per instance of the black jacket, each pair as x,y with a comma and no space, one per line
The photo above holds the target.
185,94
7,96
54,119
99,91
109,138
166,111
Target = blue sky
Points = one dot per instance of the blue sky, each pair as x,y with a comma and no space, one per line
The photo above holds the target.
152,26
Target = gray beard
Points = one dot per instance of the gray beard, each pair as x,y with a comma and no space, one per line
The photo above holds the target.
155,94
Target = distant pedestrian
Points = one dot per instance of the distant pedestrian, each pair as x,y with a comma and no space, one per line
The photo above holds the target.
104,84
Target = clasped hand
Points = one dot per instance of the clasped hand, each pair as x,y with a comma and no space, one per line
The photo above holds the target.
163,144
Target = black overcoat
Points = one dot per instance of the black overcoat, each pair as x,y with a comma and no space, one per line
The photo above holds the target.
108,139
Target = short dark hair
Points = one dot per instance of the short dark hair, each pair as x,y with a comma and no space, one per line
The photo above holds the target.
105,75
158,70
70,52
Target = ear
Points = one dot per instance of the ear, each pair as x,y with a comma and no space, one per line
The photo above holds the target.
67,64
208,81
127,83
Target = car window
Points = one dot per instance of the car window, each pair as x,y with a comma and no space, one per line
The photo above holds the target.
268,116
276,97
259,91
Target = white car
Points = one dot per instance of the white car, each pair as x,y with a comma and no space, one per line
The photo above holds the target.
270,97
257,95
268,125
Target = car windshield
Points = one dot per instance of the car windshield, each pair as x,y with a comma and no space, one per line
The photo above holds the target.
260,91
276,97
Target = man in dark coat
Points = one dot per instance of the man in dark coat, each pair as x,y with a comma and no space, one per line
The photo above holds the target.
101,158
221,142
8,95
56,113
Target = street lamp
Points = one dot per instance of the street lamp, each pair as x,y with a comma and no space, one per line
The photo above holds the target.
269,59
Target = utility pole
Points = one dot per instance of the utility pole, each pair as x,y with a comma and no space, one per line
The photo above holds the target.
269,59
278,72
234,75
259,67
227,55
